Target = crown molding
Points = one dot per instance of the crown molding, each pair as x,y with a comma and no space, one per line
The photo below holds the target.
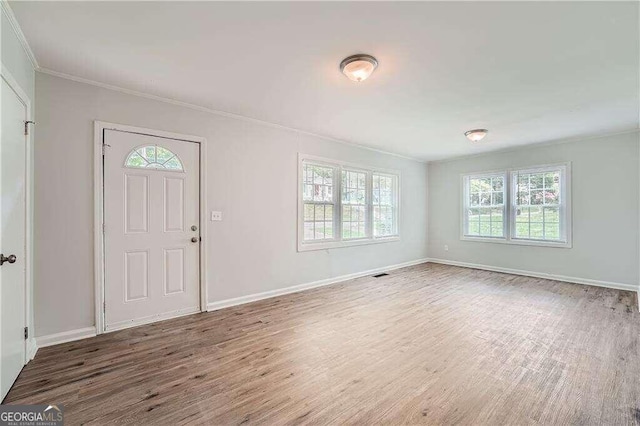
6,9
217,112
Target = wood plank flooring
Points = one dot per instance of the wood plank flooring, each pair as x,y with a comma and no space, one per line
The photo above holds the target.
428,344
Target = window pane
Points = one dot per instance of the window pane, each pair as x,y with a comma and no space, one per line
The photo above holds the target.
551,196
497,229
485,228
498,198
354,202
474,229
162,154
318,183
536,196
317,193
353,221
552,230
485,218
308,212
150,153
384,205
319,234
136,160
172,164
551,214
318,221
498,183
153,157
308,231
328,230
536,181
537,230
307,194
537,205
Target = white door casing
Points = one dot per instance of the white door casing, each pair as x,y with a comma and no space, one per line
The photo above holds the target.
13,235
151,215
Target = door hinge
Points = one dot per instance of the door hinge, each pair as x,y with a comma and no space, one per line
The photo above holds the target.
26,127
104,307
104,227
104,148
26,333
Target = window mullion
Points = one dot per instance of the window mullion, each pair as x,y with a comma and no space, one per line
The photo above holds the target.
337,212
465,185
396,205
369,205
510,213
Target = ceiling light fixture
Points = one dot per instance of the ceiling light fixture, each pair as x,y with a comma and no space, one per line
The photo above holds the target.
358,67
476,135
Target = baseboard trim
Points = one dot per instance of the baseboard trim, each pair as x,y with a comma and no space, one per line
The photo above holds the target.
64,337
227,303
574,280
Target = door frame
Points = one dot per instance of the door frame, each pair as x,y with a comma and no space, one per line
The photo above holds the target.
30,342
98,218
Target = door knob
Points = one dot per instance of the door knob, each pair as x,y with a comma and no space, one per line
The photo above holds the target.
10,259
193,240
194,228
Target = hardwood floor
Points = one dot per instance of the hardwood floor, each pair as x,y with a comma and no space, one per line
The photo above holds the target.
428,344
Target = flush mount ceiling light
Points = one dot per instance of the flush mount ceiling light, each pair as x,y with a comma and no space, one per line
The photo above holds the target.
476,135
358,67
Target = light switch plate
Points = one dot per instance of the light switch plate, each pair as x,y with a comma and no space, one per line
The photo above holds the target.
216,216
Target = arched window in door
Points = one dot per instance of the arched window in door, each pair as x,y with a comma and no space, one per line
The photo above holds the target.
153,157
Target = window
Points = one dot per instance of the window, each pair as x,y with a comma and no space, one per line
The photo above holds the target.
385,192
354,204
343,204
485,208
319,202
538,205
153,157
536,210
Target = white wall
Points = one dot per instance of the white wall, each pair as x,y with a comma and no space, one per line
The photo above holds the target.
605,192
252,179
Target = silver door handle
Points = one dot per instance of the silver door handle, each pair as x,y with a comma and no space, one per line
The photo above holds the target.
11,259
194,239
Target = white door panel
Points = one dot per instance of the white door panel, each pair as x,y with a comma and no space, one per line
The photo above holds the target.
151,264
12,236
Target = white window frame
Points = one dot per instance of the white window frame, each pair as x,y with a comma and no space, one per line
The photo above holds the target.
465,205
337,241
510,210
334,198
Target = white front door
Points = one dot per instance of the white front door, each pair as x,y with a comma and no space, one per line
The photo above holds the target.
13,162
152,228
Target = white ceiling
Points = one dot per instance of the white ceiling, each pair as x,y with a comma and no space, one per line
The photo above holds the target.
529,72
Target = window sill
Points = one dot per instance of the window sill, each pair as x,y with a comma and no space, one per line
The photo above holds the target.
537,243
342,244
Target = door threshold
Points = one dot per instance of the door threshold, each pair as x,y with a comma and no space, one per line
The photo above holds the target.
151,319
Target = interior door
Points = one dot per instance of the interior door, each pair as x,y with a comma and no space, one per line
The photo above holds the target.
152,228
12,236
